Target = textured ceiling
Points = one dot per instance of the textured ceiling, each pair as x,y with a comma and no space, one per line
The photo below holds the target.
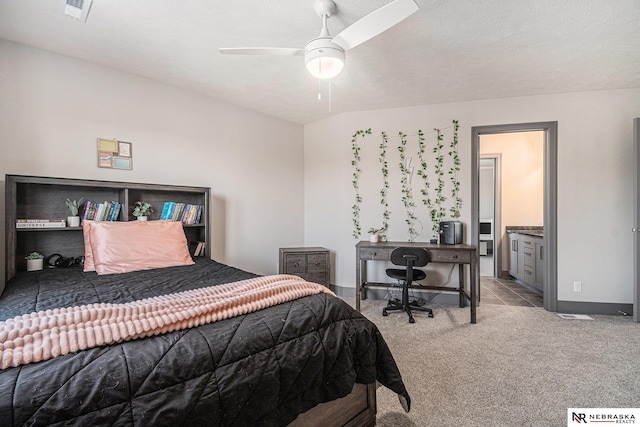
448,51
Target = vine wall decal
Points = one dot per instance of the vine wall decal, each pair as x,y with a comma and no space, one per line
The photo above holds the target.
386,214
406,173
357,229
435,162
455,192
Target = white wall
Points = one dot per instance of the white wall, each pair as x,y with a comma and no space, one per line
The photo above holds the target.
595,163
52,109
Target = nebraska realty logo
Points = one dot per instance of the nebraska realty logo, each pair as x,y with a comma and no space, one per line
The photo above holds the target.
581,416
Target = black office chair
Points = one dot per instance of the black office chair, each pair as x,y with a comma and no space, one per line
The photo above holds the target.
409,257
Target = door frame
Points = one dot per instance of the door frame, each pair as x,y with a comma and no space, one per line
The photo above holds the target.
636,221
550,240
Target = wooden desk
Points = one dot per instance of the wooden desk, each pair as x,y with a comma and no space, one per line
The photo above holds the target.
450,254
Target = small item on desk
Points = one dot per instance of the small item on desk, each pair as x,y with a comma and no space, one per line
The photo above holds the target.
374,234
451,233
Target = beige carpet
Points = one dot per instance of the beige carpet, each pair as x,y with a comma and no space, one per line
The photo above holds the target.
517,366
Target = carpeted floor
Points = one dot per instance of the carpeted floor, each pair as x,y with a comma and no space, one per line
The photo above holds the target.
519,366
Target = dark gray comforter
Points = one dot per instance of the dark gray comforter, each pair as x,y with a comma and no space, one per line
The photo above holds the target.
263,368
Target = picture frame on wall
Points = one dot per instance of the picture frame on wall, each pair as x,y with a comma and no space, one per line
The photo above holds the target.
105,159
107,145
114,154
122,162
124,149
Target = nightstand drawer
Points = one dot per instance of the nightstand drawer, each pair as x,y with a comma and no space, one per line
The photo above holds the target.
295,263
316,262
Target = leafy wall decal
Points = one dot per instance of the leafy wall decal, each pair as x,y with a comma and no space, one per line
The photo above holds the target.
455,168
435,163
355,148
386,214
406,175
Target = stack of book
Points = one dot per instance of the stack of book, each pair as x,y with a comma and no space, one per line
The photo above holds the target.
197,248
107,211
186,213
40,223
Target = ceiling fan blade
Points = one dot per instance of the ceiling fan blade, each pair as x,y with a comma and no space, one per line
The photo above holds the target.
281,51
375,23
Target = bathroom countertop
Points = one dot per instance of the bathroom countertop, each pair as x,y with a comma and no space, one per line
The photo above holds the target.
535,231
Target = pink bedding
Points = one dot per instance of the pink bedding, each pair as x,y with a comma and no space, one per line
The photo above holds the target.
120,247
46,334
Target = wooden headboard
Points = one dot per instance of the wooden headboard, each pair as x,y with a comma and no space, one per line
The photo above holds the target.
33,197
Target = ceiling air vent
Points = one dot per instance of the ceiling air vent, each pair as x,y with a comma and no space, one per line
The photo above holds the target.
76,9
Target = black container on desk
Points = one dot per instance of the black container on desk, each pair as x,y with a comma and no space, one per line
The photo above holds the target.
451,233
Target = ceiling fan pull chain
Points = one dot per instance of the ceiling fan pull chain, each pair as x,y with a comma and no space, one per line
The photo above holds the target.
329,95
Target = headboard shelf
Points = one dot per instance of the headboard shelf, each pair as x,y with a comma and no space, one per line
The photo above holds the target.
35,197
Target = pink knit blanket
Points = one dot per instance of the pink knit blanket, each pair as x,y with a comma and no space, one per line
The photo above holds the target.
46,334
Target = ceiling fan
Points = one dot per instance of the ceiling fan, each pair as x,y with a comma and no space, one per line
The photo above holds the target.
324,55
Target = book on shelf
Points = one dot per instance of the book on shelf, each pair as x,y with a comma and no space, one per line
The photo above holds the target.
41,223
196,248
165,211
38,220
199,249
192,248
186,213
106,211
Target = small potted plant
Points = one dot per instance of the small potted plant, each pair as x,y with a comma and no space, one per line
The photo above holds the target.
34,261
374,234
142,211
73,205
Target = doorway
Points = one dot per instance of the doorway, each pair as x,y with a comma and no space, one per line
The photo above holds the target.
549,129
490,202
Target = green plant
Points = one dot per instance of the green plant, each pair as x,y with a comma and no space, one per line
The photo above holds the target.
142,209
437,210
422,172
406,173
375,230
455,192
73,206
385,185
34,255
357,229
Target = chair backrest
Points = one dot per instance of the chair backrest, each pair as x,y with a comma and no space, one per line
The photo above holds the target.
421,254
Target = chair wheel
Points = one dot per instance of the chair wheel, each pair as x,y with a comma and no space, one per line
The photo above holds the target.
384,312
430,314
412,320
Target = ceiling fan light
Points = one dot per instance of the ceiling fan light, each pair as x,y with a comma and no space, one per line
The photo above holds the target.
324,63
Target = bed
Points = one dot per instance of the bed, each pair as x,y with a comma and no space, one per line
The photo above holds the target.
262,368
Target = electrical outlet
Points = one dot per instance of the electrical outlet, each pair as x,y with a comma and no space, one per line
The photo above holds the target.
577,286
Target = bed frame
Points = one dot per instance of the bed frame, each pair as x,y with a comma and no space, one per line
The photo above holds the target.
355,409
44,198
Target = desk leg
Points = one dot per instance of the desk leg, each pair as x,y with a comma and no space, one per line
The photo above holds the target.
461,281
472,285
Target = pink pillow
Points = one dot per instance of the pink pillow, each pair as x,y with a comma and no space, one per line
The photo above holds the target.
88,251
120,247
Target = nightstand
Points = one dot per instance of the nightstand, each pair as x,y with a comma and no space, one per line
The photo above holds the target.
312,264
